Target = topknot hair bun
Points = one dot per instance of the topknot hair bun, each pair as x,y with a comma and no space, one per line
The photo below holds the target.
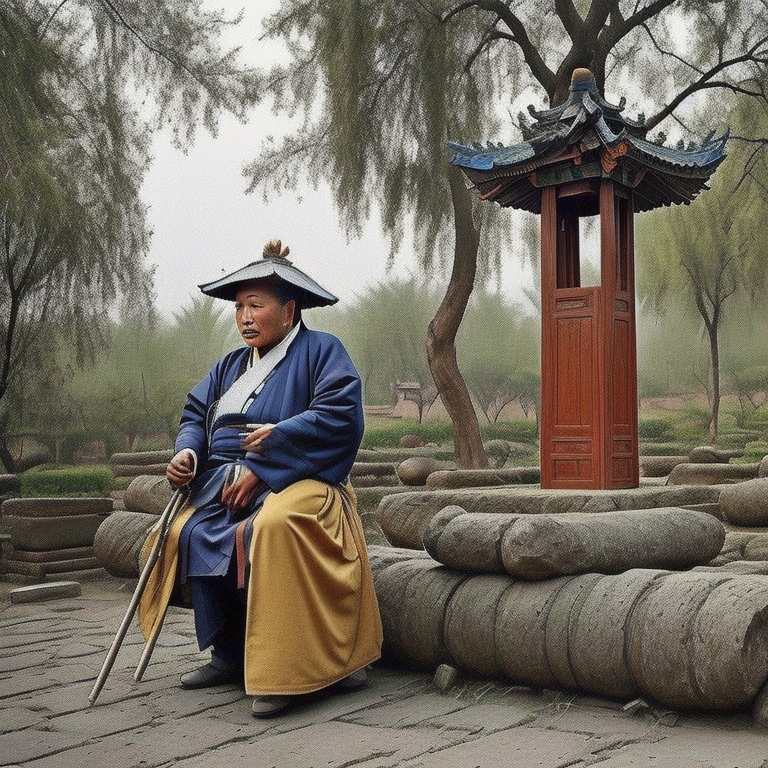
274,248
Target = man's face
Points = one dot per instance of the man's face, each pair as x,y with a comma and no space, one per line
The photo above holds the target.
262,320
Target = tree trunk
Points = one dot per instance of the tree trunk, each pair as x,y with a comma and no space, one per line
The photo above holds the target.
6,457
714,359
442,330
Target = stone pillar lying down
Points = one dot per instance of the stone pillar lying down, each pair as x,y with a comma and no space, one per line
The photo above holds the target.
690,640
544,546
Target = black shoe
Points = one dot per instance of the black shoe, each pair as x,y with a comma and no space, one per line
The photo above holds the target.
354,682
209,676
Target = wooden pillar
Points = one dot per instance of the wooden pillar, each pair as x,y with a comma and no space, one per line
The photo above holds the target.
589,425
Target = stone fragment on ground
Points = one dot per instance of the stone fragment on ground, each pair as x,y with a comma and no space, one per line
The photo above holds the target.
51,590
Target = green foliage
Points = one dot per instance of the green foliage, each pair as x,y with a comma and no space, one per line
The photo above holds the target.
136,390
498,352
386,433
755,422
512,431
70,481
692,425
709,255
666,449
384,330
74,151
656,428
751,386
754,452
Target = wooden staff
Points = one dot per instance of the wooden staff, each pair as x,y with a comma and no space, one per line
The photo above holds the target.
164,525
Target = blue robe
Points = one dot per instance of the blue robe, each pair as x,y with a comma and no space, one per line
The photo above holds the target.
312,615
313,397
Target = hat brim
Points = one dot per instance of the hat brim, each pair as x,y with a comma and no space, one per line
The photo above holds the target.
309,293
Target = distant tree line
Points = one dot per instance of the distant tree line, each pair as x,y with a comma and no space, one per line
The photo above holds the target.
130,396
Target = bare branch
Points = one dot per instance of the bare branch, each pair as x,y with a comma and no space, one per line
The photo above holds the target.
533,59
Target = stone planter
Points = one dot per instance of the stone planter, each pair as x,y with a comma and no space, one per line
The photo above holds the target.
52,535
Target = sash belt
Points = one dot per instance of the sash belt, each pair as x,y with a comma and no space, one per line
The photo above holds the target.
240,551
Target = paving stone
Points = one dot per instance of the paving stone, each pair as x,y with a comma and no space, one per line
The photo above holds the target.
98,722
51,652
20,684
20,718
523,747
487,718
409,712
320,745
151,746
15,662
694,748
32,744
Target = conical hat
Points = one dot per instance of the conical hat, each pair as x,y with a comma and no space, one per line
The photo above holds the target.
308,292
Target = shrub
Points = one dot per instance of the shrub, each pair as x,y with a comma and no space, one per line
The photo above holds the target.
754,452
512,431
68,481
386,433
665,449
656,429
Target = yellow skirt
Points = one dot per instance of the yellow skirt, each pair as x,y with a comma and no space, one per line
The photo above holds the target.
312,616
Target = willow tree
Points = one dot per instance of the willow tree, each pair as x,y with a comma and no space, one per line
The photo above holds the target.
383,85
712,252
74,148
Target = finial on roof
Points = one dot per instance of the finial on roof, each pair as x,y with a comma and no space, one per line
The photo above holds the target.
582,79
274,249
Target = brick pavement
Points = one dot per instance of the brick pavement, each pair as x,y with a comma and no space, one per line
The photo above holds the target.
51,652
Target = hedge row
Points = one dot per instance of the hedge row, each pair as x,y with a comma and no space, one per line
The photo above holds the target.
70,481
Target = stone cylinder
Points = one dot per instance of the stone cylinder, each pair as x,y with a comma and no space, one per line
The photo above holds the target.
746,503
697,640
413,596
562,614
119,540
544,546
596,636
148,493
520,635
470,623
467,542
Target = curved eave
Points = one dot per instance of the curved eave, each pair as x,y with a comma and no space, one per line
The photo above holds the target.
506,175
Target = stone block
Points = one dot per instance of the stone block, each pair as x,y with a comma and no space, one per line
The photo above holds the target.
51,591
476,478
416,470
119,540
56,507
39,571
42,534
708,454
659,466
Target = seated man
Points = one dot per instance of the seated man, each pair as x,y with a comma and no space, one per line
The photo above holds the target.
268,549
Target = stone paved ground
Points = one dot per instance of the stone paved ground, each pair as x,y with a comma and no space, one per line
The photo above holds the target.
51,652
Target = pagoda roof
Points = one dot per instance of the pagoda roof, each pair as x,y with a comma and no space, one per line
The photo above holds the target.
583,138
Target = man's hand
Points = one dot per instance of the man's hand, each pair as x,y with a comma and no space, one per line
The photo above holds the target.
252,442
241,492
181,468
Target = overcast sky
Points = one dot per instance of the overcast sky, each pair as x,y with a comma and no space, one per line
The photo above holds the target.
205,225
